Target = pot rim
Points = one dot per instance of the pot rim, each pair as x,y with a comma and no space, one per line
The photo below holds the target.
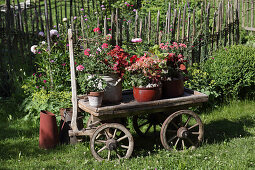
96,94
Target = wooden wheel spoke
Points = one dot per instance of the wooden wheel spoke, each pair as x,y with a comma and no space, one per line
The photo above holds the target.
190,141
100,150
195,133
187,122
124,146
123,137
106,134
145,123
114,133
173,123
98,136
117,154
171,139
147,130
109,155
100,141
183,144
155,128
195,125
176,143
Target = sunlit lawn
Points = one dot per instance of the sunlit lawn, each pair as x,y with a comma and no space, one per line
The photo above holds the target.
229,143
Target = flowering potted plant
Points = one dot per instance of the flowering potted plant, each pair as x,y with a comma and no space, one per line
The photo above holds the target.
92,85
145,77
172,84
103,59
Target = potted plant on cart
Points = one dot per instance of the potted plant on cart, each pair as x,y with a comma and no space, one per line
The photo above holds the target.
93,86
172,77
108,62
145,77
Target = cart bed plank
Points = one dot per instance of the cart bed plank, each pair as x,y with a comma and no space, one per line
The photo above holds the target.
129,106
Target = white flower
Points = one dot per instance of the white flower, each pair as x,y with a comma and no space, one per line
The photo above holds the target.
53,32
64,19
41,33
135,40
99,49
43,42
33,49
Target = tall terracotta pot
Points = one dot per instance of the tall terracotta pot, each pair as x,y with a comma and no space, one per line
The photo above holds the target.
147,94
173,88
48,134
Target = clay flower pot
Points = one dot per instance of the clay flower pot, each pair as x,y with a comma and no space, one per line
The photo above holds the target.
173,88
48,135
147,94
95,98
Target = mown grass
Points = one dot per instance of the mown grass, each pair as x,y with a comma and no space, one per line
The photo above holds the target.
229,143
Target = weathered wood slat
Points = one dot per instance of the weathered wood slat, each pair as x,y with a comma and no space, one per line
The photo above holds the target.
129,106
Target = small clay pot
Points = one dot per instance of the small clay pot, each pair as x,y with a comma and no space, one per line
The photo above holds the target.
95,98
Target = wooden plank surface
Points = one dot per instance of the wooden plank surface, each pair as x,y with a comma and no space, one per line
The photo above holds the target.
129,106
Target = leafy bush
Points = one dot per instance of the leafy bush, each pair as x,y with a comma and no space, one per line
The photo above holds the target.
43,100
200,80
233,70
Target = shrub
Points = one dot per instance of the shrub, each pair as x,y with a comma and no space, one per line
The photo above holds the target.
200,80
43,100
233,70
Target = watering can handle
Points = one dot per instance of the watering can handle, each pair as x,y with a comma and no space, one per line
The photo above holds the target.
117,82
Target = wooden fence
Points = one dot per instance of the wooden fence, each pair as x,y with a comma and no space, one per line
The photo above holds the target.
205,29
248,15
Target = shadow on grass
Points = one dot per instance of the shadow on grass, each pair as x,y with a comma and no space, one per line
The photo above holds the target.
224,130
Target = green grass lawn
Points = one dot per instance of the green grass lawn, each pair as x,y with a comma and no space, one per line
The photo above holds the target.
229,143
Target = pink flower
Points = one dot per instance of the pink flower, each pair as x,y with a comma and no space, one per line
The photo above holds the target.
96,29
37,87
33,74
182,45
80,68
64,64
40,75
134,10
105,45
86,52
135,40
44,81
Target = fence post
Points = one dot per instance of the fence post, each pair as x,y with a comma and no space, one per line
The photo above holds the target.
237,22
149,26
183,23
157,29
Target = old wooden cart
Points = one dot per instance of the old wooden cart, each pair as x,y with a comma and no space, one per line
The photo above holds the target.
109,138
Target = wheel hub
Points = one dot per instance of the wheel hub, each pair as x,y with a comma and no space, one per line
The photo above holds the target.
111,144
182,132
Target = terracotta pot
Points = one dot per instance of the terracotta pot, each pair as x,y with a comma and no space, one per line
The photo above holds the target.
95,98
173,88
147,94
48,135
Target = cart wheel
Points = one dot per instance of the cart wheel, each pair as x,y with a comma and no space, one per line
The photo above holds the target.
149,123
183,129
111,141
